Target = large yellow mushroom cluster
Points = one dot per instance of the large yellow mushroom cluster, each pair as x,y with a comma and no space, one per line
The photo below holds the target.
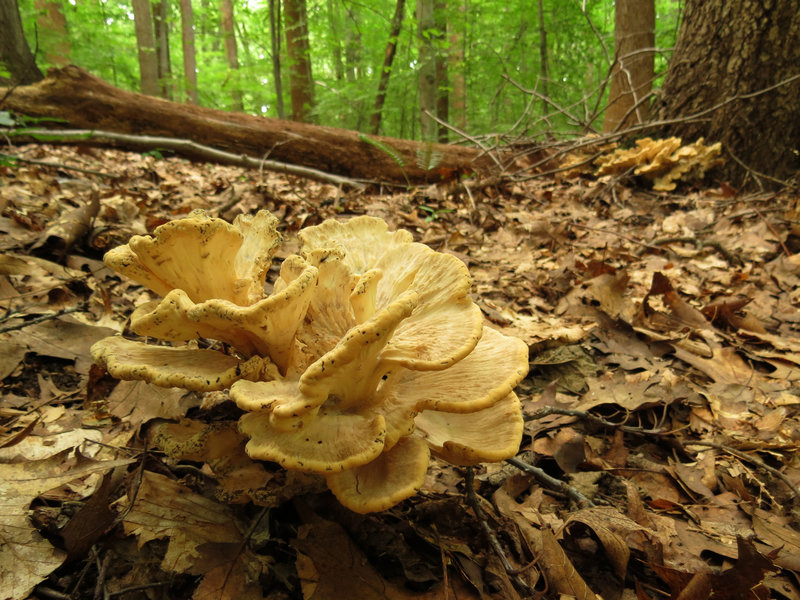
366,356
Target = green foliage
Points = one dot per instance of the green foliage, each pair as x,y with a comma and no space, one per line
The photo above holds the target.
501,61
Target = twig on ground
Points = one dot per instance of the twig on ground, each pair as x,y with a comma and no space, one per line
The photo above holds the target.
751,459
587,416
80,307
472,498
552,482
699,243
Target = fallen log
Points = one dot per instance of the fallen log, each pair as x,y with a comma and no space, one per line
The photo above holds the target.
74,96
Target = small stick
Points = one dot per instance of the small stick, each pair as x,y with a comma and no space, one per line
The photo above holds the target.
751,459
472,498
552,482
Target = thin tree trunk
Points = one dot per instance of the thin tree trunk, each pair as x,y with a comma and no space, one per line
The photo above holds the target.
633,72
275,45
53,32
160,15
386,69
742,58
427,69
301,83
458,96
335,24
229,33
543,61
15,53
145,41
440,68
189,55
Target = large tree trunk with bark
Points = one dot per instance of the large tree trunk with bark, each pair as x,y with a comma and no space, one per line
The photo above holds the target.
736,72
87,102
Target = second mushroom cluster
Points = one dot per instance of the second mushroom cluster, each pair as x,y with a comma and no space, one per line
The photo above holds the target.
366,355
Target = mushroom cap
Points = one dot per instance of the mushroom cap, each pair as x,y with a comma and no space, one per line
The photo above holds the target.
204,256
348,375
364,240
487,375
329,443
265,328
164,366
395,475
489,435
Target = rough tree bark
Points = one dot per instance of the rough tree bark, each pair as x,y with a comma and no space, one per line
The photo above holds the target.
15,53
86,102
743,58
633,72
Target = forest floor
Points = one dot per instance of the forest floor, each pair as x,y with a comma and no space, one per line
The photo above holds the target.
662,399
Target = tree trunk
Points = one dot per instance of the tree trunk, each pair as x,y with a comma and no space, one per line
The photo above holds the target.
427,69
160,16
275,45
440,68
458,79
14,50
737,64
633,72
229,33
145,41
189,54
86,102
301,83
543,61
386,69
53,32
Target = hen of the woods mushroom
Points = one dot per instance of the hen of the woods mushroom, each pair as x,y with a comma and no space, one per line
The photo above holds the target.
366,356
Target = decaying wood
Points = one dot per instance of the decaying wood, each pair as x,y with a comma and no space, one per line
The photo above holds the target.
84,101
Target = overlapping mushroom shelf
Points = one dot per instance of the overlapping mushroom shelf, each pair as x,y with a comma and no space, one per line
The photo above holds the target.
367,355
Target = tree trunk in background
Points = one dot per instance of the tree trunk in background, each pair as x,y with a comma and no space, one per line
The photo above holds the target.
301,83
352,45
53,35
275,45
86,102
427,69
731,52
335,25
440,60
229,33
15,53
633,72
189,55
145,41
386,69
160,16
458,67
543,61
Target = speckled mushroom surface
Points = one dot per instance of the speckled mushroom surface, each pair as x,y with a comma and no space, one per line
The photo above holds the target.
367,357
